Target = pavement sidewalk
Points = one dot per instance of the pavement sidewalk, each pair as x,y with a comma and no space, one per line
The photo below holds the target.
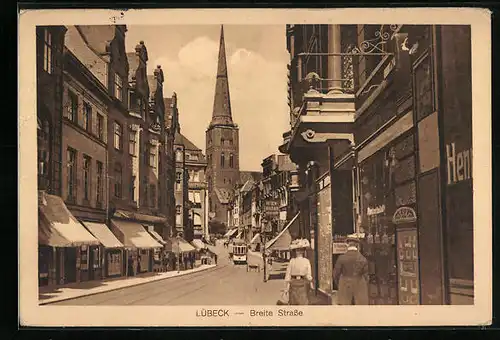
47,295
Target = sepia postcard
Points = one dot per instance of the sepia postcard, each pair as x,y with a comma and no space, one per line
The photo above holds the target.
255,167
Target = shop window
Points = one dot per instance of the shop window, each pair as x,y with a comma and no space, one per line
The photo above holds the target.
191,196
87,117
84,257
197,197
96,255
86,177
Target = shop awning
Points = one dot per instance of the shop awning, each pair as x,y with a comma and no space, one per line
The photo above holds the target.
103,234
179,245
199,244
58,227
283,239
155,235
255,239
133,235
231,232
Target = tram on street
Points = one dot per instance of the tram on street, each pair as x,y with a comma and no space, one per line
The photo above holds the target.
239,250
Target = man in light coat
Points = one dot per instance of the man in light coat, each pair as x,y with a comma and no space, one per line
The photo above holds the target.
351,275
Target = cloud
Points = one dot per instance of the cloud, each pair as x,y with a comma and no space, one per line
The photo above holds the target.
257,89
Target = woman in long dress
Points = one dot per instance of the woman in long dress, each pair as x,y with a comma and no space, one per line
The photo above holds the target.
298,274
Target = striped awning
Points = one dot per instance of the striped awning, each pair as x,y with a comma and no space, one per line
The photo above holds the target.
179,245
133,235
103,234
58,227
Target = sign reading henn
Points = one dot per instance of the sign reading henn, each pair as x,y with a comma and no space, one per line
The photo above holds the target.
459,164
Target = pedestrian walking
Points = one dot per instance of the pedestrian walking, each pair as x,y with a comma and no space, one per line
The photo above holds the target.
351,275
298,276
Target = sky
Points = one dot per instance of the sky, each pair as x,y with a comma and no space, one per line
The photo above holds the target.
256,60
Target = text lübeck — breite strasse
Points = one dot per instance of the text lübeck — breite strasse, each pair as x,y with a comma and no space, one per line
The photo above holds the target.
210,313
281,312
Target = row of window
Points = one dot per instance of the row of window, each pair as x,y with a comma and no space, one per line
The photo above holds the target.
223,160
88,174
149,190
149,157
87,116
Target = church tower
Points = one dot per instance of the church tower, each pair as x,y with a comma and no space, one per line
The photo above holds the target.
222,144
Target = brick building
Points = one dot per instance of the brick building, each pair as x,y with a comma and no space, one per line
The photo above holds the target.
382,159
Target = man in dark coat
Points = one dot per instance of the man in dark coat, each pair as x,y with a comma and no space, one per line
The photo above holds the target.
351,276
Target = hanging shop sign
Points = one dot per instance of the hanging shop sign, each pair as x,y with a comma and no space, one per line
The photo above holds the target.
376,211
404,215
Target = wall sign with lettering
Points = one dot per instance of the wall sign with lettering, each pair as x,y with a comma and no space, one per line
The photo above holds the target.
458,163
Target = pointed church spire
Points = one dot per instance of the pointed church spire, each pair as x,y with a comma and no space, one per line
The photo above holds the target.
221,114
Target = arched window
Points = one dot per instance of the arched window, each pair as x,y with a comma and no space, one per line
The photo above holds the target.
231,161
222,160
